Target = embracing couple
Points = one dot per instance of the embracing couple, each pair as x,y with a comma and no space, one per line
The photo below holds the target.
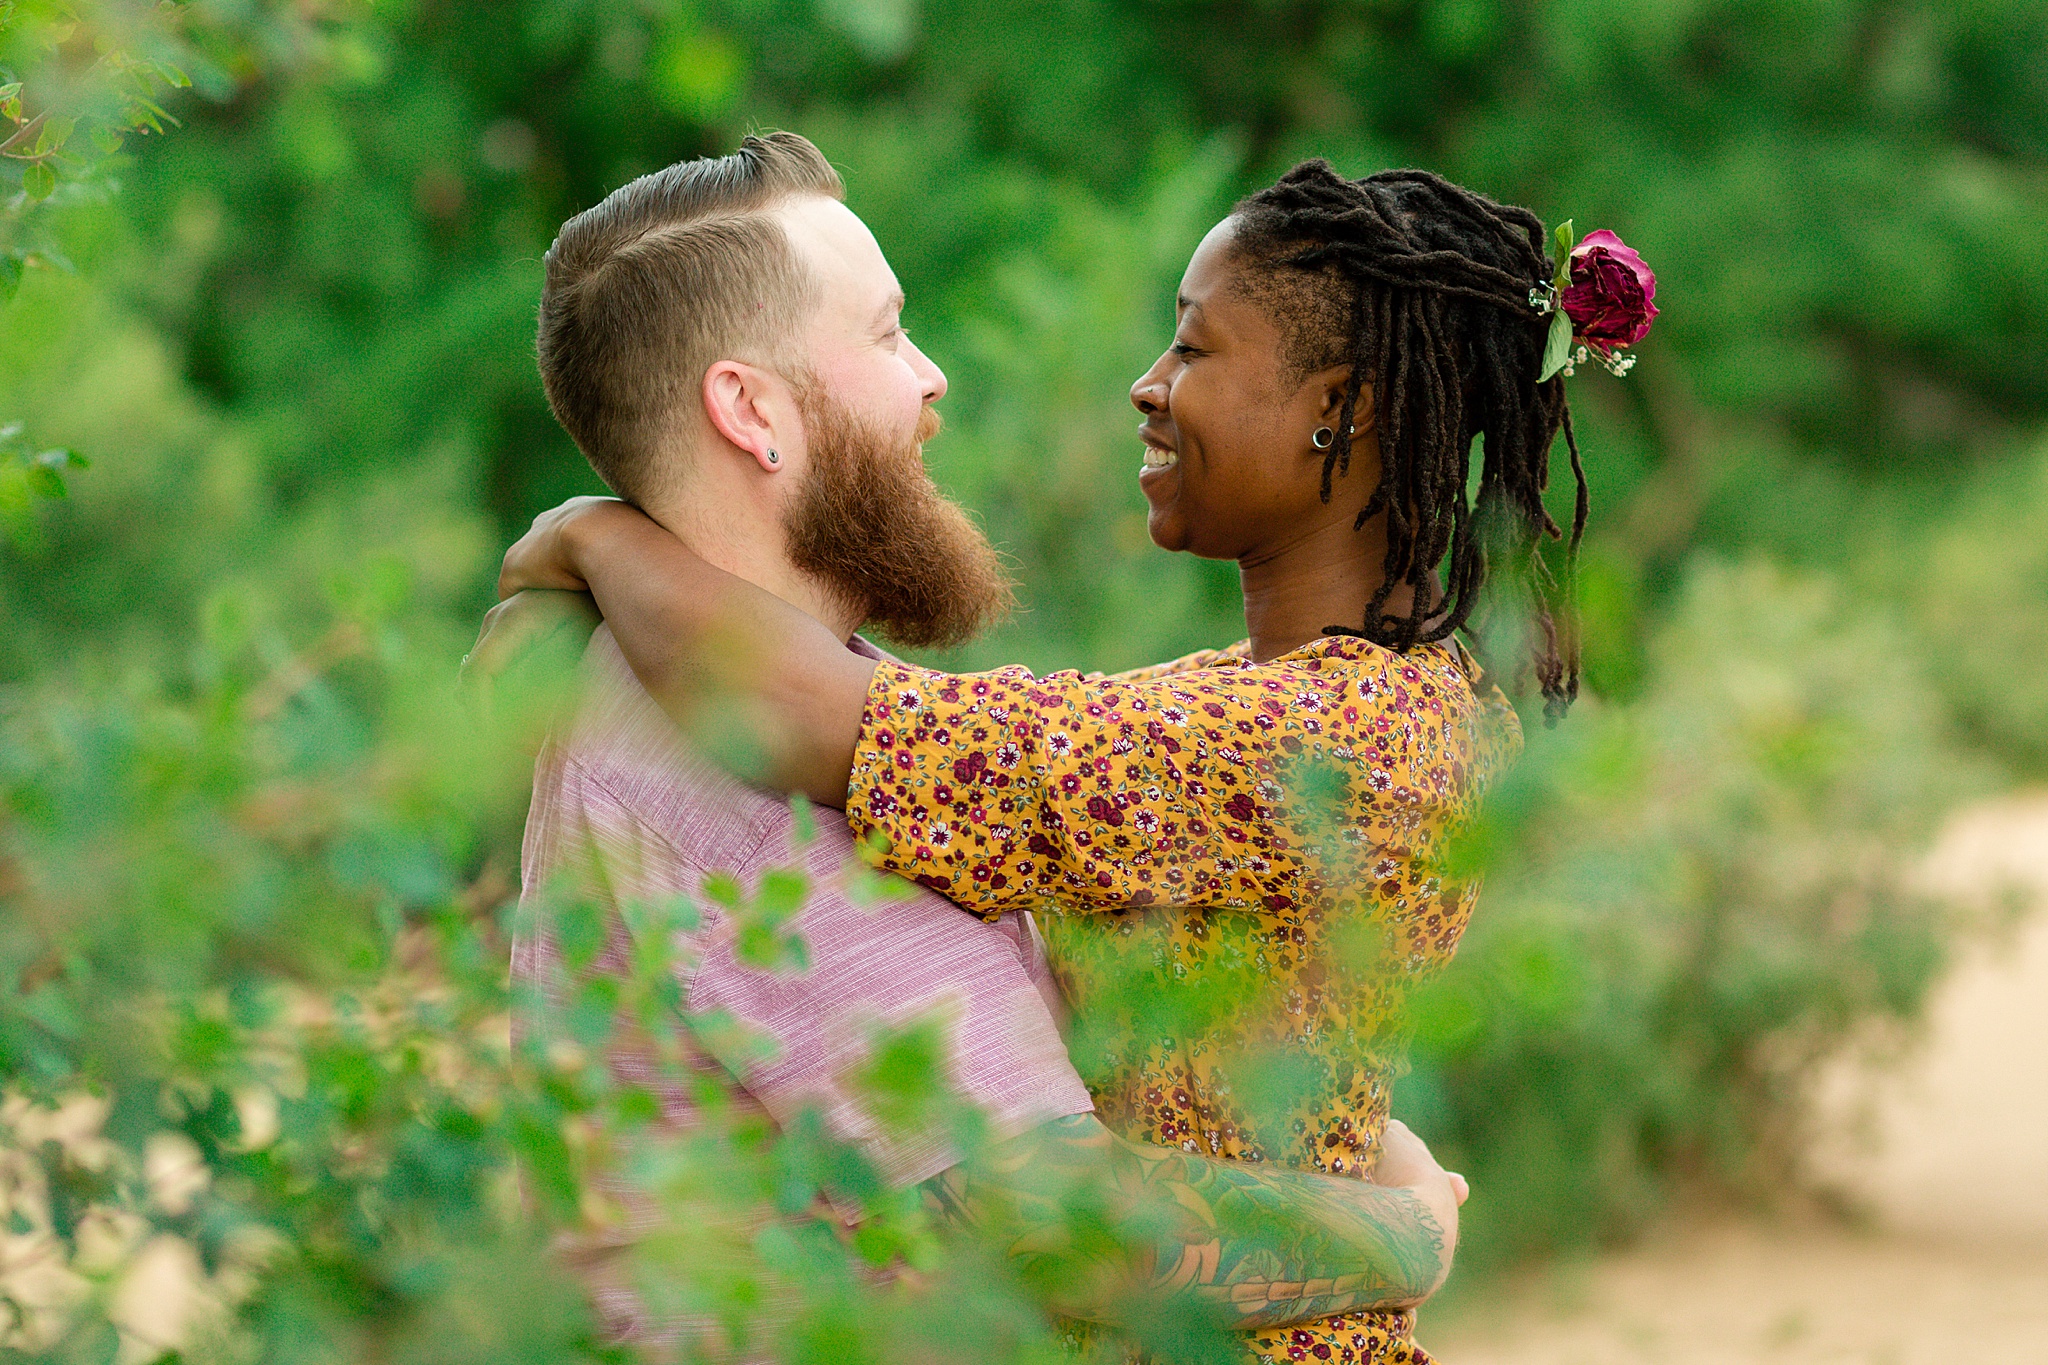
723,340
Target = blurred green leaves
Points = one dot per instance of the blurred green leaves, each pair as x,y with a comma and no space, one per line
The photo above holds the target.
27,474
1691,902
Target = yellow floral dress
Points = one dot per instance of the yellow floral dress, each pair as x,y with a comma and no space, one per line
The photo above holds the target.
1244,869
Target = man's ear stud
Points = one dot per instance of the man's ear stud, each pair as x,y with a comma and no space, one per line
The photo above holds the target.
774,458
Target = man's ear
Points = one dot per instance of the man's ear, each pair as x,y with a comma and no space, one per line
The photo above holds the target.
755,410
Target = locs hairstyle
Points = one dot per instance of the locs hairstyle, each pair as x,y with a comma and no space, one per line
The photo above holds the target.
1422,287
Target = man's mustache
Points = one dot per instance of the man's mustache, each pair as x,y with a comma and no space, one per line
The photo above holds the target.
928,424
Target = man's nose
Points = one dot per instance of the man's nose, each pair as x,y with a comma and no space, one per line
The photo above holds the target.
934,378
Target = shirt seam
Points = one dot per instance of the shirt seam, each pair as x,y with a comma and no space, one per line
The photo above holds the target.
709,917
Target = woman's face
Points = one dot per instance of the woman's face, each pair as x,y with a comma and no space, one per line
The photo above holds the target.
1230,470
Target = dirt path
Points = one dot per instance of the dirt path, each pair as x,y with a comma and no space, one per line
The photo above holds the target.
1953,1266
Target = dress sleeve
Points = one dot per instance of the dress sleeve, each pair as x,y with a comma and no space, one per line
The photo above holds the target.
1186,663
1003,789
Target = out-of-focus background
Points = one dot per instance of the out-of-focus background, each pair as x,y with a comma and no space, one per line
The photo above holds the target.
1744,1052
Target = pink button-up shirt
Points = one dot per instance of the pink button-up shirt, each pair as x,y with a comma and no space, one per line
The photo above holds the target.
623,812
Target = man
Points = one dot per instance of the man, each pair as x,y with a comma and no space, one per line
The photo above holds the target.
723,340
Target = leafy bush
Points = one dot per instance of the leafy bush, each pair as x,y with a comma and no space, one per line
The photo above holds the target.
1692,901
263,1102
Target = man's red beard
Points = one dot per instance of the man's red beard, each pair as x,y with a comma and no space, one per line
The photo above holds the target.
870,525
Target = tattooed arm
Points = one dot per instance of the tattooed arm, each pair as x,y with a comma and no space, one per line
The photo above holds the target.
1109,1229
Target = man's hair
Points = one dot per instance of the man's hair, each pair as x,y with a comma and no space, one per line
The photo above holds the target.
670,274
1422,287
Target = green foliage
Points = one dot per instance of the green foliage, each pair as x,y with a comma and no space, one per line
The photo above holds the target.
26,475
255,856
260,1038
1692,902
93,70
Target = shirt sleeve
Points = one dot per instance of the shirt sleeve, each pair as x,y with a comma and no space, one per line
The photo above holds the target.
1004,789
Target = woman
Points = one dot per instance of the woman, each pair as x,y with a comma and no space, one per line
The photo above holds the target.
1277,812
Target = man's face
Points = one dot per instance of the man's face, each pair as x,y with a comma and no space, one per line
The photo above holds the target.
855,345
863,517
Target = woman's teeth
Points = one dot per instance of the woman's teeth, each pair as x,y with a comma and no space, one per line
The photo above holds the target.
1156,458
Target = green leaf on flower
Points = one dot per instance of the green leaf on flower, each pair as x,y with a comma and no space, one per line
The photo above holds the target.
1566,240
39,182
1558,348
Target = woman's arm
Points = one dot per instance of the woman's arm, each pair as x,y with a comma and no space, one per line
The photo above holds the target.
713,649
1219,787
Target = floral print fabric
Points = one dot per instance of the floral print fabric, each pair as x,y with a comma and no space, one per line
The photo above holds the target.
1244,866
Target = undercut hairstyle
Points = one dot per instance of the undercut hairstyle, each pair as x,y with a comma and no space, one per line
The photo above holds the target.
1422,288
667,276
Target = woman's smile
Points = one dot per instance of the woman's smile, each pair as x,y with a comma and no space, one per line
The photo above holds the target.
1161,460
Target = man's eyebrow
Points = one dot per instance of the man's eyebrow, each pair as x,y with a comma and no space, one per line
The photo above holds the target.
893,305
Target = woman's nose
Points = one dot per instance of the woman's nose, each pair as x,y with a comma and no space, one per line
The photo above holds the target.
1148,395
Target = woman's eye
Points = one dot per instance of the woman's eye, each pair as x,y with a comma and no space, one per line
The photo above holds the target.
1185,351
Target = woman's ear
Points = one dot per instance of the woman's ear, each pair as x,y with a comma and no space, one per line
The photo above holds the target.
754,411
1334,381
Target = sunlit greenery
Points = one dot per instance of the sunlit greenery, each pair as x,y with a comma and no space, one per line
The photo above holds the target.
258,856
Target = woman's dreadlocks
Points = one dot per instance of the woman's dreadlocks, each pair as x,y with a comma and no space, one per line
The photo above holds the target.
1423,289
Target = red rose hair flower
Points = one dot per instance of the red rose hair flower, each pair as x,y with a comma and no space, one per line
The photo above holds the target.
1611,296
1602,301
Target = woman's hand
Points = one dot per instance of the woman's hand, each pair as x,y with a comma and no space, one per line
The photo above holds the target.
695,634
545,556
529,622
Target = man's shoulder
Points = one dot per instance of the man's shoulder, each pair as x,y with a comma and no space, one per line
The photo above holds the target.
621,750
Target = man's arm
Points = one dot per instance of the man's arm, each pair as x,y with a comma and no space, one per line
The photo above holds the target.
1109,1230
